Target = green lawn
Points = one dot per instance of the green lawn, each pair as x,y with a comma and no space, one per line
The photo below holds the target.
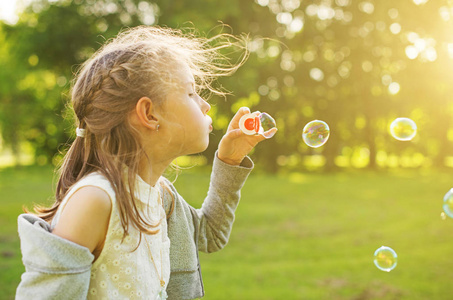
297,236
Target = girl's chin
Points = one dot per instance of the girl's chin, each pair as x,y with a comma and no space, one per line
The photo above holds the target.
204,147
201,148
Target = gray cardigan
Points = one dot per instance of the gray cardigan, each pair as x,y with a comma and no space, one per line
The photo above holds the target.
56,268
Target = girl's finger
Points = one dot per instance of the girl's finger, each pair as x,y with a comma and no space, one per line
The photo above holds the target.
270,133
234,134
235,121
266,135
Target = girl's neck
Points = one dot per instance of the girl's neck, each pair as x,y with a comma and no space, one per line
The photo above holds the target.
150,172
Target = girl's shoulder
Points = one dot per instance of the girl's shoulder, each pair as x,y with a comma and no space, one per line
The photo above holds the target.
84,214
169,195
94,179
84,219
85,186
165,184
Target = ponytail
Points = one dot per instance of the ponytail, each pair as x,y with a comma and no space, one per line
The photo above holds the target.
72,169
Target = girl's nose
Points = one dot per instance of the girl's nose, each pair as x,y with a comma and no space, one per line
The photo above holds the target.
205,107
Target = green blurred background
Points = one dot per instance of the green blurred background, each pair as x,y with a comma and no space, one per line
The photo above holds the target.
311,218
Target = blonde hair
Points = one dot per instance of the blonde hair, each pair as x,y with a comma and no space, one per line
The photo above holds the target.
107,87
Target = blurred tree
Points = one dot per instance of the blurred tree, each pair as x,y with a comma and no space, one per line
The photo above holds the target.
359,64
50,40
355,64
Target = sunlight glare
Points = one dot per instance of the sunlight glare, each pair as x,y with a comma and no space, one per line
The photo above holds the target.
450,49
394,88
411,52
366,7
8,11
296,25
284,18
420,2
420,44
412,37
316,74
445,13
430,54
393,13
263,2
395,28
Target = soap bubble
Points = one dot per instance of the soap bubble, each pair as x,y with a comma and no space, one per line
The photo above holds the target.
266,122
252,123
403,129
385,258
448,203
316,133
443,216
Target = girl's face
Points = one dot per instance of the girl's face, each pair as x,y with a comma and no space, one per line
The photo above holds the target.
186,116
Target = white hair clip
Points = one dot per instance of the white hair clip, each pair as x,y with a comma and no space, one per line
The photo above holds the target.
80,132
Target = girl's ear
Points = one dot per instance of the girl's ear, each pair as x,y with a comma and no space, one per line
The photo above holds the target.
146,113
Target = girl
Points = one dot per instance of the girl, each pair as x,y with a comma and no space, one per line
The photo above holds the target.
118,229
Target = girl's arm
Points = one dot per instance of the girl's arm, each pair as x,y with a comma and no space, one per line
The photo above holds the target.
206,229
230,170
214,220
212,223
85,218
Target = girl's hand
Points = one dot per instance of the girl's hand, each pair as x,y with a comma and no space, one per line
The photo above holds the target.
235,144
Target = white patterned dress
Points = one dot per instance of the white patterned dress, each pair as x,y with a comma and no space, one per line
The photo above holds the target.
120,272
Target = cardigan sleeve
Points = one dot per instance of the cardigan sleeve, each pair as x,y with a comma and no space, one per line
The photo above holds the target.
215,218
212,223
55,268
206,229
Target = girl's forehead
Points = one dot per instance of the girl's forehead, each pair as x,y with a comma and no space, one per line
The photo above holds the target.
183,77
185,74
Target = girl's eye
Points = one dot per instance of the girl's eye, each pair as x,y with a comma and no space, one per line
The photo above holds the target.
191,95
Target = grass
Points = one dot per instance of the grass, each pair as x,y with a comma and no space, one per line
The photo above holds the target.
18,187
297,236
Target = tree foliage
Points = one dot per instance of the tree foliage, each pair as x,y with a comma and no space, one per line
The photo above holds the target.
355,64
